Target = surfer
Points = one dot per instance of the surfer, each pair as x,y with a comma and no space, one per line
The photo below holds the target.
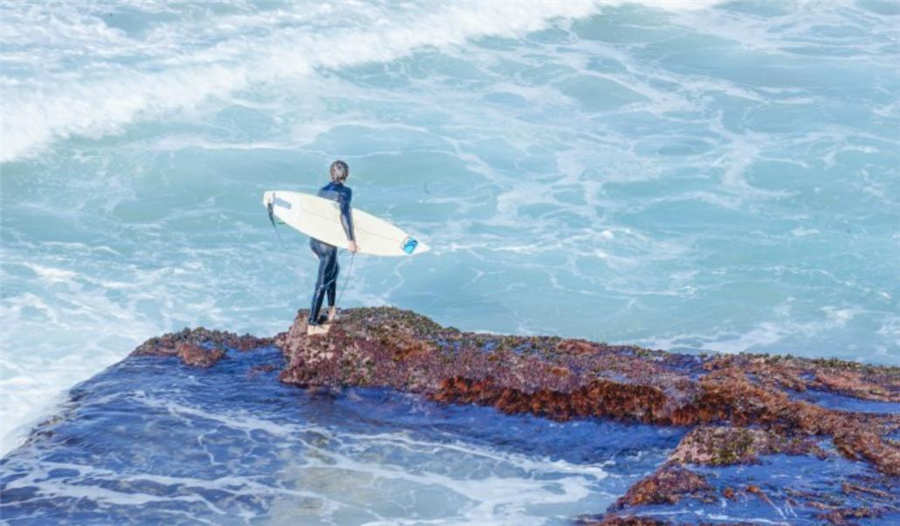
326,282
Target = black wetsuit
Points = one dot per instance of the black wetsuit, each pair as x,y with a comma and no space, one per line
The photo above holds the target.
326,282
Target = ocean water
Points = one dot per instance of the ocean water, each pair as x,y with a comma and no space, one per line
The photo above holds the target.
684,175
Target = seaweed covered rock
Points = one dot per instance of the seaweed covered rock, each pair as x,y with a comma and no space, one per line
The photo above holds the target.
562,379
198,347
198,356
741,407
666,486
723,445
547,376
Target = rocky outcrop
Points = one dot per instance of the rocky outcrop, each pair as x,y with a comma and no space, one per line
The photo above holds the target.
723,445
563,379
740,406
198,356
737,408
198,347
666,486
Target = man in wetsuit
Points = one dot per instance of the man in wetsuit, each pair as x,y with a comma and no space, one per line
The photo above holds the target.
326,282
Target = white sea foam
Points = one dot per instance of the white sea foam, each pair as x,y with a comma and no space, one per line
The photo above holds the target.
763,336
171,75
495,492
38,113
52,275
801,232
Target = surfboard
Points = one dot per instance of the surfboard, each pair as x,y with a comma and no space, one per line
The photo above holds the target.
321,218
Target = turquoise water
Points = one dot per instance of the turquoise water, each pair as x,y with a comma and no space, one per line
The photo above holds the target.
693,176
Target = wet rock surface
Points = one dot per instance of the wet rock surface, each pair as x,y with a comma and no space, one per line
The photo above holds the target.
724,445
666,486
744,409
198,347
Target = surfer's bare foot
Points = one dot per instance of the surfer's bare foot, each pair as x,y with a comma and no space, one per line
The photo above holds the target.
332,314
317,330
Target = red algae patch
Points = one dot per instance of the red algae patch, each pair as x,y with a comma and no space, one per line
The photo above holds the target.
198,347
629,520
667,485
724,445
197,356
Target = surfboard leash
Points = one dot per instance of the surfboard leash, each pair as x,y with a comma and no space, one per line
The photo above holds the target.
347,279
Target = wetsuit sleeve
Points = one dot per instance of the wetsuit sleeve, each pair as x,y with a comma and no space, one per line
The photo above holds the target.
346,217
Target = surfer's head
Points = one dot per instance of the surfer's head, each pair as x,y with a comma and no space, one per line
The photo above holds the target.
339,171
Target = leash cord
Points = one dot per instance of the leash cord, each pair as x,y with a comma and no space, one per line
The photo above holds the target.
347,279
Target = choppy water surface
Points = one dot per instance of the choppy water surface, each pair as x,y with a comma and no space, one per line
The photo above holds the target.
684,175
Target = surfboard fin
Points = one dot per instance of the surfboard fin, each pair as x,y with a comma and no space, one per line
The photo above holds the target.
271,213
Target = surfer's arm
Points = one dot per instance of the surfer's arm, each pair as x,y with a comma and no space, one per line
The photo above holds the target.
346,217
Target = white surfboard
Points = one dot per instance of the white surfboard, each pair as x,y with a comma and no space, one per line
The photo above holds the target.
321,218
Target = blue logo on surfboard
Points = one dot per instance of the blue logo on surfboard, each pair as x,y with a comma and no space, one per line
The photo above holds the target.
409,245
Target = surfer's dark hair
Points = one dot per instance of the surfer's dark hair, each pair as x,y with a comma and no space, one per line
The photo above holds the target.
339,171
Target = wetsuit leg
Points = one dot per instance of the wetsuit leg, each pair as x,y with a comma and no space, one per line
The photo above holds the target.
327,266
332,278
